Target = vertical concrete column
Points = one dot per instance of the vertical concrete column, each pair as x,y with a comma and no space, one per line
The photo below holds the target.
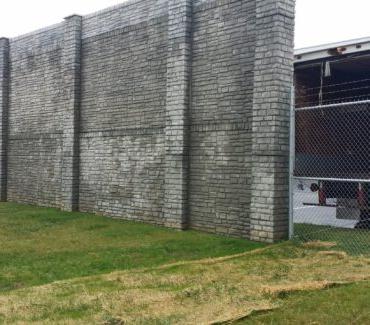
71,65
4,110
177,111
270,120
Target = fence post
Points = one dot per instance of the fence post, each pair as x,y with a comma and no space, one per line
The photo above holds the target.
291,164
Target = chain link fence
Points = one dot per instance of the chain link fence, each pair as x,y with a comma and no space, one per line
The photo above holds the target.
330,172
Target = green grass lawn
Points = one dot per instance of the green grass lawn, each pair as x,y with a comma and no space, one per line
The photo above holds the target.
354,241
42,245
58,267
344,305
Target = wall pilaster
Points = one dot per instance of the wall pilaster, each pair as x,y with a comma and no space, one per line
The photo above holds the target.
4,110
71,61
177,113
270,120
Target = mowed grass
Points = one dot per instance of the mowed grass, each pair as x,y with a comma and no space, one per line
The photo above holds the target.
348,304
207,291
42,245
76,268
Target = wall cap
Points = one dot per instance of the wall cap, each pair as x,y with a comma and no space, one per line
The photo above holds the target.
72,16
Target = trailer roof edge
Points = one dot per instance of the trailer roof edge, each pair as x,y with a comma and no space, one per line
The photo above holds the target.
332,50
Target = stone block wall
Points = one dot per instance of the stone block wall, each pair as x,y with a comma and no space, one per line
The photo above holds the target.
36,108
173,112
122,115
221,109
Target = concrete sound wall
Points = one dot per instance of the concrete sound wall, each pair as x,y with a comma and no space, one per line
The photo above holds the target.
173,112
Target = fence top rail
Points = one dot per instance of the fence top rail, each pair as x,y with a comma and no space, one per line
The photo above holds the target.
347,180
359,102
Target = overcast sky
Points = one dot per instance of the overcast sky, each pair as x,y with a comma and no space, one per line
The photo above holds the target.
317,21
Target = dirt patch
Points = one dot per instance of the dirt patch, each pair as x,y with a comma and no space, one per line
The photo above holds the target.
319,244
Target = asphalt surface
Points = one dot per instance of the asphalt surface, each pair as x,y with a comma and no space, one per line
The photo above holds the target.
317,215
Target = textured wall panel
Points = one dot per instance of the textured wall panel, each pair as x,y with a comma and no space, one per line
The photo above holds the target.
221,107
35,113
122,122
123,175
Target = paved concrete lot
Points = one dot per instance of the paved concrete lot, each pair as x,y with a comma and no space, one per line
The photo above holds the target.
316,215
